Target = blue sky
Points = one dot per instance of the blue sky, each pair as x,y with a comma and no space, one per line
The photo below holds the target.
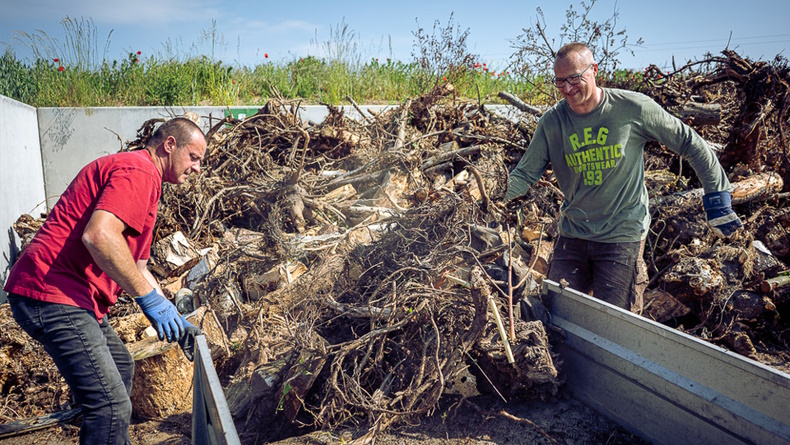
246,30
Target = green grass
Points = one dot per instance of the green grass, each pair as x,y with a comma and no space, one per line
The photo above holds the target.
75,71
138,81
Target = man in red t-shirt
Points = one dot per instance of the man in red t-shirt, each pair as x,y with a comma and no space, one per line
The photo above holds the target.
96,242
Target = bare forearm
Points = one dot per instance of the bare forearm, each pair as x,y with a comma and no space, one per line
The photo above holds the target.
103,237
115,259
141,265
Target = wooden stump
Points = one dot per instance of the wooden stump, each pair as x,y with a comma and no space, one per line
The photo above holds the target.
533,375
162,384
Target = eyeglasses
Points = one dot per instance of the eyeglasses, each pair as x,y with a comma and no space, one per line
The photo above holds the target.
573,80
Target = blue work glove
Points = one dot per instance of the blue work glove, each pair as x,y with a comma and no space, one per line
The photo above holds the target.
162,314
718,209
187,340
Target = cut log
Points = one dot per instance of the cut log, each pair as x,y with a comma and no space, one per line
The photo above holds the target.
256,286
447,156
162,384
695,113
774,283
341,135
16,428
753,188
756,187
249,242
661,306
520,104
340,194
762,261
173,255
539,261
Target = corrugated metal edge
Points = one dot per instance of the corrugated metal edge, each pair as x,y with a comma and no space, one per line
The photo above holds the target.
664,385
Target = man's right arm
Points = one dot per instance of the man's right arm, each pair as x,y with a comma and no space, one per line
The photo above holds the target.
103,237
531,166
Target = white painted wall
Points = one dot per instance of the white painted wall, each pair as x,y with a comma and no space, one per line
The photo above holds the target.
42,150
21,176
73,137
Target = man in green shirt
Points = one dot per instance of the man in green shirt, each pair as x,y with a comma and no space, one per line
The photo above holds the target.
594,139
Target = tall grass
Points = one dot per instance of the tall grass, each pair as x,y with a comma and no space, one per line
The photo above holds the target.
138,81
75,73
79,49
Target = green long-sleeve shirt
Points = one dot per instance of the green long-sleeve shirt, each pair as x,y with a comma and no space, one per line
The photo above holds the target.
597,159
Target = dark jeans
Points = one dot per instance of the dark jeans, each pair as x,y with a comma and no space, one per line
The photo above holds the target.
609,270
94,361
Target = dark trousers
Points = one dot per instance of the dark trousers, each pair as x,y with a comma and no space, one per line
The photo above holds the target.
94,361
608,270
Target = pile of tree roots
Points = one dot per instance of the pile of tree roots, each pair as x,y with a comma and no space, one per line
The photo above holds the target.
363,267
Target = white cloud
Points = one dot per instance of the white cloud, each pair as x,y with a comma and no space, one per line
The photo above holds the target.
293,26
112,13
246,25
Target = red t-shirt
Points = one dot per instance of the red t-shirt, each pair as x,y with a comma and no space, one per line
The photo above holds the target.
56,266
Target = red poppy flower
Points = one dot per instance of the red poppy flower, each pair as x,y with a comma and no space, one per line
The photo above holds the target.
234,82
61,69
136,60
444,78
56,60
484,64
265,55
138,53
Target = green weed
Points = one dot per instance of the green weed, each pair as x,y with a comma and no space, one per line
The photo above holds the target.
75,73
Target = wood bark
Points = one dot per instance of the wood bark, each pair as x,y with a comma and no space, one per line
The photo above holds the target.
753,188
445,157
16,428
770,284
695,113
162,384
520,104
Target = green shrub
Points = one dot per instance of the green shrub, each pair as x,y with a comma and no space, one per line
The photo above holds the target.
16,80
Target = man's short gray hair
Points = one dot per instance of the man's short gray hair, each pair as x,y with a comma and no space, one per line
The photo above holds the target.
574,47
180,128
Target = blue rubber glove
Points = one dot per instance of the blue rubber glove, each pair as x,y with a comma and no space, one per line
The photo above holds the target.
187,340
162,314
718,209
